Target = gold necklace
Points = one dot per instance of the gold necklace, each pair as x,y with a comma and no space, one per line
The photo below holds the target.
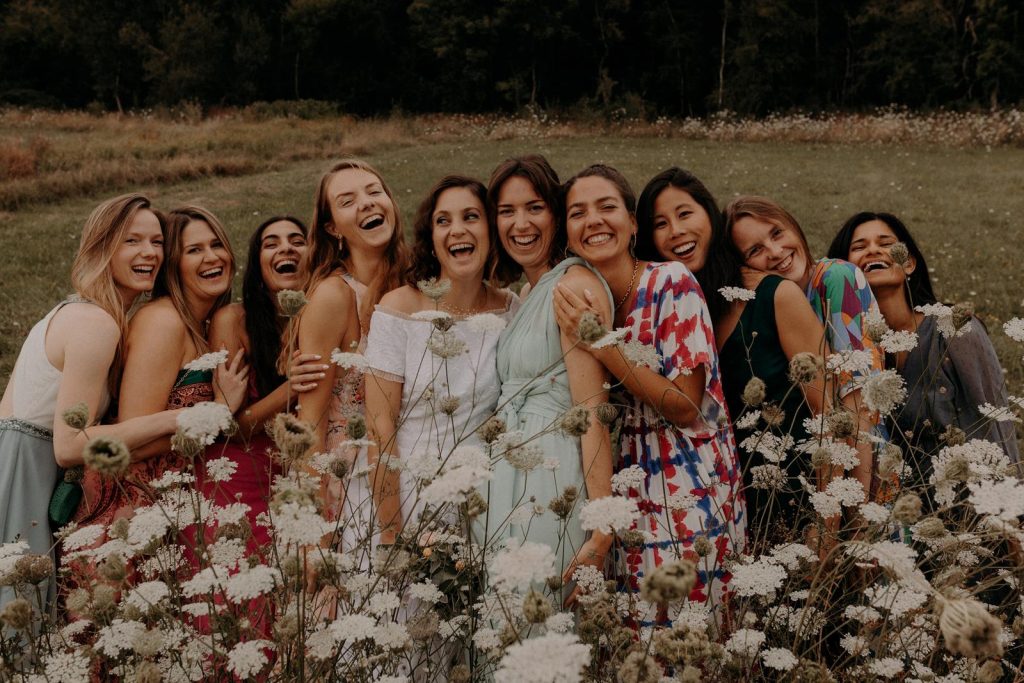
459,312
632,280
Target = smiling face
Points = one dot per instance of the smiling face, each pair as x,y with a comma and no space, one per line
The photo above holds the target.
137,259
361,211
599,225
771,248
526,224
869,251
459,234
283,250
682,228
205,265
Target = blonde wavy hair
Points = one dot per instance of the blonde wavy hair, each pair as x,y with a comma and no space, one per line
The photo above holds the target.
91,276
169,282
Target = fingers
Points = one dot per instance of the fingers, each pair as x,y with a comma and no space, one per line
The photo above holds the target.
237,361
570,602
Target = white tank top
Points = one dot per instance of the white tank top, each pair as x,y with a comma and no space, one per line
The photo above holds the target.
36,382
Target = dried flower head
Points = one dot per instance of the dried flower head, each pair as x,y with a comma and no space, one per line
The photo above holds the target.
491,430
702,546
969,629
291,302
669,582
842,424
536,608
891,460
962,314
804,367
639,667
930,527
606,413
293,437
186,445
576,421
113,568
990,672
907,508
563,505
767,477
448,405
900,254
475,504
875,327
355,427
434,288
884,391
590,328
632,538
74,474
446,345
773,415
107,455
953,436
77,416
821,457
442,323
17,614
754,393
339,467
148,672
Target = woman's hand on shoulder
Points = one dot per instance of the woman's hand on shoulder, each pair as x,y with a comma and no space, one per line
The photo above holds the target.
570,307
305,370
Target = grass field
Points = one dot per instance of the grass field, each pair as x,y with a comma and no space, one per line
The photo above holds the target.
964,204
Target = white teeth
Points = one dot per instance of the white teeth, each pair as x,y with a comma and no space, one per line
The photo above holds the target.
876,265
457,249
143,270
212,272
597,240
785,263
684,249
373,221
525,240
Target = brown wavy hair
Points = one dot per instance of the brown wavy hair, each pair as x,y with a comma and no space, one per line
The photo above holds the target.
764,209
169,283
326,255
536,170
425,263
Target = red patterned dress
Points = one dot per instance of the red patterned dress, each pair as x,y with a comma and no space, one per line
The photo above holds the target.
692,486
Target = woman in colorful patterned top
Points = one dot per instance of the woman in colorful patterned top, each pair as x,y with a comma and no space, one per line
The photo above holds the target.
770,240
675,437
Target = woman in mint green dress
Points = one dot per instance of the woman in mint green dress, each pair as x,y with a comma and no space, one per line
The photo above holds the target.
543,376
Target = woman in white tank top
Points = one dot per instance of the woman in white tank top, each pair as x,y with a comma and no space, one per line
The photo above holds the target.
71,357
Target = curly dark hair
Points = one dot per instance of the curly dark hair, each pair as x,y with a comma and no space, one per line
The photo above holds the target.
536,170
263,324
722,265
424,261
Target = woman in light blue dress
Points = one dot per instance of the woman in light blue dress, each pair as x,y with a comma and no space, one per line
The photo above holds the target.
543,376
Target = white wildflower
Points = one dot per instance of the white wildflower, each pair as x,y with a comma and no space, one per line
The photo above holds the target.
610,514
382,603
68,667
681,500
613,338
81,538
693,615
789,555
446,345
118,637
486,322
850,362
519,566
771,446
425,591
146,525
560,622
748,420
759,578
248,658
897,598
898,341
208,361
75,629
943,319
220,469
551,658
874,513
886,667
467,468
391,636
632,477
1014,329
884,391
204,421
487,639
1003,499
350,361
779,658
299,524
855,645
737,294
862,613
745,642
899,559
171,479
589,579
999,414
252,583
227,552
206,580
147,594
640,354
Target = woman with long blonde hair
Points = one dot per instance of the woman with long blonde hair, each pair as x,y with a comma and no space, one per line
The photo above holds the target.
69,361
163,338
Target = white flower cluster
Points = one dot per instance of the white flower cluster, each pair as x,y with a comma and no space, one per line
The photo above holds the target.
609,514
208,361
737,294
204,421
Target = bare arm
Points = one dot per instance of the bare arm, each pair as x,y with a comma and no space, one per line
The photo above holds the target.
328,322
678,401
87,360
383,403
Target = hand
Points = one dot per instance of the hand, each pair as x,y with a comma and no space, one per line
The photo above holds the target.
592,552
231,382
305,371
569,308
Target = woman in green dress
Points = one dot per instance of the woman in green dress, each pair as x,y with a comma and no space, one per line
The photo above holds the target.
543,376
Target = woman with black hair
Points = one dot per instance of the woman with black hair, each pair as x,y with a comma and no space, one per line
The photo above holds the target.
948,376
276,262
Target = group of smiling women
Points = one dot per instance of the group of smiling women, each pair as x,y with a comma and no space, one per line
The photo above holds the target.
654,269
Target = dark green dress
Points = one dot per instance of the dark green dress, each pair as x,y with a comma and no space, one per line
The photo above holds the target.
754,350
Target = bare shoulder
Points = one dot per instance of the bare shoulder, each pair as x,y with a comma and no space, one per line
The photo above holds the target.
789,292
157,319
579,278
229,317
82,316
406,299
332,292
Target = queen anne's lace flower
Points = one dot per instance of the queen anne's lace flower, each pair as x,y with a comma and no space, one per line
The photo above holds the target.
631,477
220,469
80,538
204,421
898,341
745,642
610,514
351,361
551,658
737,294
486,322
999,414
516,567
252,583
147,594
1003,499
68,667
1014,328
779,658
208,361
762,578
248,658
612,338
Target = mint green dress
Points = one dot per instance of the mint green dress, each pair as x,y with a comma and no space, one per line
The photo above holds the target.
534,397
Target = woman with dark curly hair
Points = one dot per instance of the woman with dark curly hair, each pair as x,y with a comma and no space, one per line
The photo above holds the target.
433,383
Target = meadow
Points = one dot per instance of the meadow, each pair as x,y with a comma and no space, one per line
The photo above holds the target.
957,180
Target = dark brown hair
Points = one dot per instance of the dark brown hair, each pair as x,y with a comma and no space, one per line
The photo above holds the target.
424,261
610,174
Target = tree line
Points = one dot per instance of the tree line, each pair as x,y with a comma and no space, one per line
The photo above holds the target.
674,57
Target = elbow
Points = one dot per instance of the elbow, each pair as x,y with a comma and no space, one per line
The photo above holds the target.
67,455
